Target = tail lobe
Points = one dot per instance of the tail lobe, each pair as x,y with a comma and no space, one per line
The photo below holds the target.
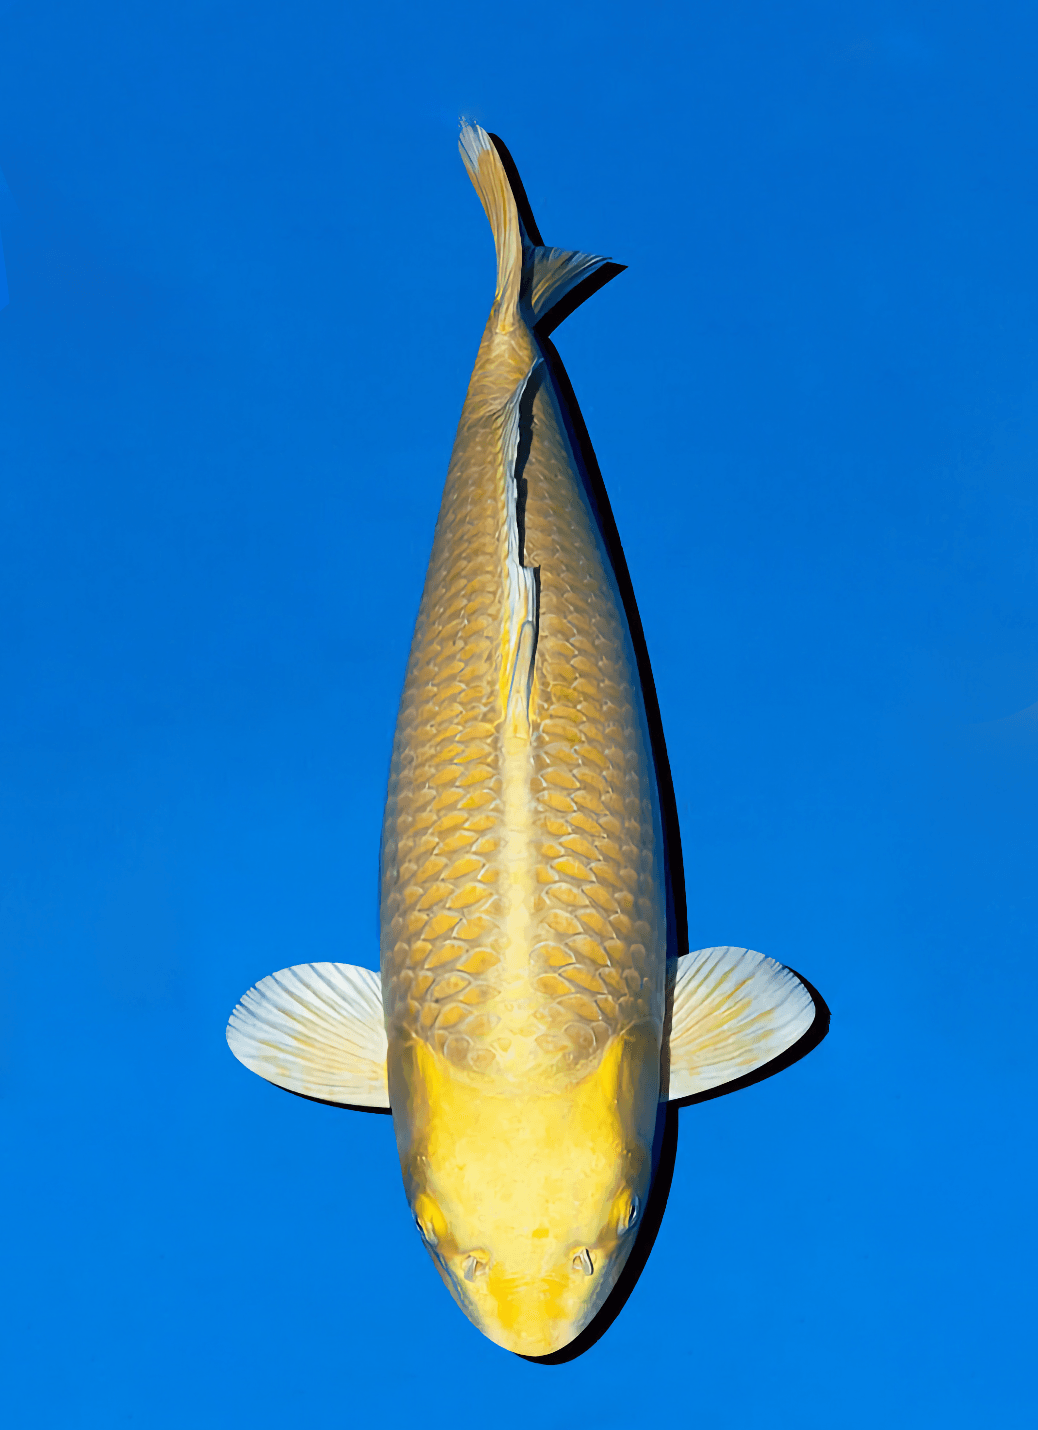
495,194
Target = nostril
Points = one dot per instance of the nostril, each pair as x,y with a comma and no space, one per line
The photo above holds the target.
474,1266
582,1262
632,1215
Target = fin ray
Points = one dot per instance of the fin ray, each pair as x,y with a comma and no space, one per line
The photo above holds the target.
495,194
551,273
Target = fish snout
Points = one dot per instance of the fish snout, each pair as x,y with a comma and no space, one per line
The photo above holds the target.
534,1315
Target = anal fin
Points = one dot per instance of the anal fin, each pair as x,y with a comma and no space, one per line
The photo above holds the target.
731,1011
318,1030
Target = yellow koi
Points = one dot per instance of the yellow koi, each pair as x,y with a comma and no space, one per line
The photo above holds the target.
528,1022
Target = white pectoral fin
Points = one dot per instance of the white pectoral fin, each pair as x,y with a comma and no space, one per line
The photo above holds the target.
732,1011
316,1029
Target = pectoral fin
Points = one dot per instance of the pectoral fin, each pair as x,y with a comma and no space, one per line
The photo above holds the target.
732,1011
316,1029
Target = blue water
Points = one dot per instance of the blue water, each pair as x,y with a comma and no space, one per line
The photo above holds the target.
247,280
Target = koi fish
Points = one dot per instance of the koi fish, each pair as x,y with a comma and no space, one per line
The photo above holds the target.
528,1021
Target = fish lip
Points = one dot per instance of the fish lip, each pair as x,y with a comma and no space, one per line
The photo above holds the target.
534,1347
556,1333
470,1298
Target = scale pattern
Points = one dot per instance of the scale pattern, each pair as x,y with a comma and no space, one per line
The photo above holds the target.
440,908
593,958
600,957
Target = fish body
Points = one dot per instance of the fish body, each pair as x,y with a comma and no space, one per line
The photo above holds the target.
527,1021
523,905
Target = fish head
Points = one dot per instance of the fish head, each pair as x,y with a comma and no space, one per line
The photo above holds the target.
528,1202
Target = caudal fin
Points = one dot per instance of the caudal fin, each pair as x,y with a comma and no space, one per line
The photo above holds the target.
532,279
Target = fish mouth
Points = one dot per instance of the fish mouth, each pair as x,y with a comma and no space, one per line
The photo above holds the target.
531,1340
530,1320
533,1346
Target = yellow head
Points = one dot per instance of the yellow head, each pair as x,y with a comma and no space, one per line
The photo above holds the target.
528,1202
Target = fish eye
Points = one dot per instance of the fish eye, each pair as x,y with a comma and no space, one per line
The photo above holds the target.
632,1214
425,1232
582,1262
430,1221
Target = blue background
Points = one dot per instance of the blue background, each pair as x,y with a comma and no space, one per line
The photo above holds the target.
247,280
